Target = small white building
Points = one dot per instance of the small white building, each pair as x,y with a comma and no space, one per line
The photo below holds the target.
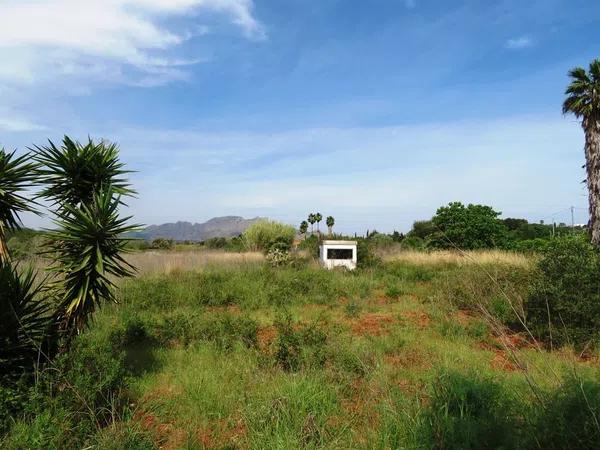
338,254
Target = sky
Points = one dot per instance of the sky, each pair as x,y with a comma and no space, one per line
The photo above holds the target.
376,112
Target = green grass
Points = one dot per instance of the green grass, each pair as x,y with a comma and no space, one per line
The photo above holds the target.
282,358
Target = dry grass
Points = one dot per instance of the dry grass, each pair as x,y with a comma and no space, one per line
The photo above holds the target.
168,261
453,257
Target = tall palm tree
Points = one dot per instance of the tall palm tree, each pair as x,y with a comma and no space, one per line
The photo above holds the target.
318,218
312,218
330,221
303,228
583,100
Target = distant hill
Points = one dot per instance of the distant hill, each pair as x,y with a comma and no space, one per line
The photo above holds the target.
227,226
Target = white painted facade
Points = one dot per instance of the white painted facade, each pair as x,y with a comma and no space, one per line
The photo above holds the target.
338,254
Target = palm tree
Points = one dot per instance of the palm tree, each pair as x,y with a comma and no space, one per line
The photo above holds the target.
312,218
318,218
303,228
330,221
16,176
583,100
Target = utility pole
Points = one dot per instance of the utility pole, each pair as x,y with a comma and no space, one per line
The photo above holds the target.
572,219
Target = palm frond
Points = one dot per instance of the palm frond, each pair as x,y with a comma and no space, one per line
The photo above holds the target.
583,93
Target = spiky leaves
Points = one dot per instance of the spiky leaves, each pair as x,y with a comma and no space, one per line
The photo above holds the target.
85,183
583,100
74,173
16,176
87,248
25,320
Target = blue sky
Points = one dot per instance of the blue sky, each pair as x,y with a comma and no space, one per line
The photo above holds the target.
376,112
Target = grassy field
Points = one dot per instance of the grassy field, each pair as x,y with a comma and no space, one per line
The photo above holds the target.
222,351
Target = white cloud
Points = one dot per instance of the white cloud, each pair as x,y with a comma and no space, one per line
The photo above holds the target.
11,123
42,39
520,42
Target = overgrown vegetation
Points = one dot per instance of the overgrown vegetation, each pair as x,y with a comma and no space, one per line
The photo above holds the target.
255,356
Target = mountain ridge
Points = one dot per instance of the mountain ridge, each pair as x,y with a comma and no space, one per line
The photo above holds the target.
223,226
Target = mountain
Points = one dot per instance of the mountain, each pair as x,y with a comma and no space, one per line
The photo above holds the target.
227,226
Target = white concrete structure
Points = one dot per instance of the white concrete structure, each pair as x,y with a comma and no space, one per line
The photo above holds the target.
338,254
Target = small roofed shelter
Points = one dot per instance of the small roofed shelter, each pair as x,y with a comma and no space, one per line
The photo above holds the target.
338,254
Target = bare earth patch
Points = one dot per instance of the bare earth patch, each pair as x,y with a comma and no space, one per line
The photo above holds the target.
373,324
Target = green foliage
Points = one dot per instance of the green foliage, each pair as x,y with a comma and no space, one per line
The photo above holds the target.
277,257
422,229
564,305
265,234
582,94
569,419
16,176
162,244
299,345
303,227
75,174
25,321
87,249
25,244
366,254
469,412
468,228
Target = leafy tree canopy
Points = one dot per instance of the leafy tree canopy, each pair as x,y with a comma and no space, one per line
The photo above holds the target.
468,227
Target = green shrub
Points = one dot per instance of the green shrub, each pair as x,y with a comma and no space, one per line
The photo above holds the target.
265,234
564,305
366,255
162,244
299,346
469,412
569,419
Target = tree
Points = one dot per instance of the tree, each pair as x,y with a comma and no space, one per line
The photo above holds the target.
467,227
330,221
583,101
318,218
303,227
312,218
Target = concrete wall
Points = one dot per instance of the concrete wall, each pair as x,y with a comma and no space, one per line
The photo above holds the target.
331,263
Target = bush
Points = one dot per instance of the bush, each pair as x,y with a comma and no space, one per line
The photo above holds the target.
366,255
265,234
469,412
564,305
162,244
569,418
299,346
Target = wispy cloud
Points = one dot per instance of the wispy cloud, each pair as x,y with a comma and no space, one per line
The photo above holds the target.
62,38
519,42
16,124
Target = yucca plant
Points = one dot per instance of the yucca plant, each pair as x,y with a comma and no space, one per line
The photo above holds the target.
87,249
17,173
74,173
85,184
25,320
